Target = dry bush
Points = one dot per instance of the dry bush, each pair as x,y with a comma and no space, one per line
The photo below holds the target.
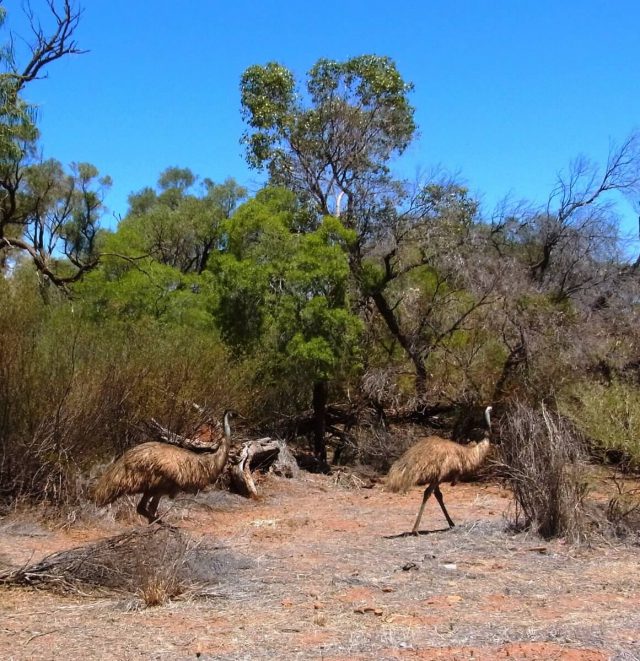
623,509
74,392
160,577
155,564
374,444
544,464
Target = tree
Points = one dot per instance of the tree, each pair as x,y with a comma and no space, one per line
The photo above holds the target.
52,216
572,244
176,226
333,151
45,213
156,264
285,299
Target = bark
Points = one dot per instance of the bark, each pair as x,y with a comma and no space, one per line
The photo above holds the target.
202,442
320,398
265,454
392,324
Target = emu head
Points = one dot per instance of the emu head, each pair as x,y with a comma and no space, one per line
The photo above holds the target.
229,414
487,417
226,422
485,444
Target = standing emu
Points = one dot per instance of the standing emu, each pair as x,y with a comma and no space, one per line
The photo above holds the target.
158,469
433,460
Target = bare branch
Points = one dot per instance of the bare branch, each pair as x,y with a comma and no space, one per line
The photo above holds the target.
51,47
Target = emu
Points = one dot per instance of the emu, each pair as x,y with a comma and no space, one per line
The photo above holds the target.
433,460
157,469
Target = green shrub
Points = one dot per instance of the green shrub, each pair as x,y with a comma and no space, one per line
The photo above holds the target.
75,391
609,415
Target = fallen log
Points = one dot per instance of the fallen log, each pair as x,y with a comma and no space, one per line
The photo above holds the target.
266,455
206,438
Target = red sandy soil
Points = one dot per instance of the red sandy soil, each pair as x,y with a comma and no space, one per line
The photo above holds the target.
324,578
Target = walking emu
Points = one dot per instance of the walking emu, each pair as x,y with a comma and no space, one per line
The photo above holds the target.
157,469
433,460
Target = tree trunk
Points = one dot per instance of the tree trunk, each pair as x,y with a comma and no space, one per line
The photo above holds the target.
516,358
392,324
320,398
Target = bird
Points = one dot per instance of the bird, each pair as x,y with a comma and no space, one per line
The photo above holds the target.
156,469
433,460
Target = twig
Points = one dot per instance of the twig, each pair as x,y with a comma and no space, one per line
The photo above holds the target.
39,635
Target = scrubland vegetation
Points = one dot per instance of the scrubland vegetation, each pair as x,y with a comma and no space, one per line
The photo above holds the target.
333,306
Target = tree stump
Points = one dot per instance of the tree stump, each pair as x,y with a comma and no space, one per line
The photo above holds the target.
266,455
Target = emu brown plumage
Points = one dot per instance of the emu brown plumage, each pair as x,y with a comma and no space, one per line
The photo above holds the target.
433,460
157,469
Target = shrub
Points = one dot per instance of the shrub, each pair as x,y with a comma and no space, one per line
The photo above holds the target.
543,462
609,415
74,391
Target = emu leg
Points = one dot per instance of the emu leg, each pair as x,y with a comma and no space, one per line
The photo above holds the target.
142,507
153,508
440,499
427,492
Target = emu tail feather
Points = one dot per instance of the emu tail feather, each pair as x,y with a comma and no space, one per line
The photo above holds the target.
400,478
112,485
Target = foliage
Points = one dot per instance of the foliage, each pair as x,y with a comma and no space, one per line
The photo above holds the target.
356,118
337,284
175,226
284,294
49,215
74,391
608,414
332,146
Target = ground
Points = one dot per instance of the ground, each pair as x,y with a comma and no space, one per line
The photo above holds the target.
320,573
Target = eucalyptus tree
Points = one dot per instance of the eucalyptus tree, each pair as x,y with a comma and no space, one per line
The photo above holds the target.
180,223
284,301
333,144
156,264
47,213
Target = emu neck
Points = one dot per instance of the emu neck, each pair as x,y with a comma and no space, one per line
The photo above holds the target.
477,454
216,461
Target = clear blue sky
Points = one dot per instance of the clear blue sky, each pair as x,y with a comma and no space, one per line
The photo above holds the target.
507,92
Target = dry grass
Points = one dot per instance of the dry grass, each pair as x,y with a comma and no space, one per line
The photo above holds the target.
319,577
544,463
156,564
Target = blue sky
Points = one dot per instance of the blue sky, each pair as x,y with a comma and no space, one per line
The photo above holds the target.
507,92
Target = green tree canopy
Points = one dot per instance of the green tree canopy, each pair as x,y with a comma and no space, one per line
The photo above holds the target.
176,225
331,145
45,213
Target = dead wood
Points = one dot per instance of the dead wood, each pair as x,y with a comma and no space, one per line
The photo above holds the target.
206,442
266,455
130,563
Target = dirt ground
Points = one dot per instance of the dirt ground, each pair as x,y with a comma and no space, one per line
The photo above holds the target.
320,573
